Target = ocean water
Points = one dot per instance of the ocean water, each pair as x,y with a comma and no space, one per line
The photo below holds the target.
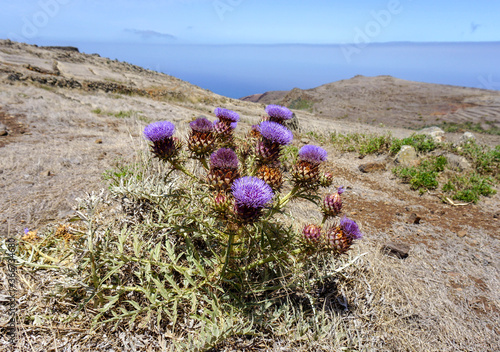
240,70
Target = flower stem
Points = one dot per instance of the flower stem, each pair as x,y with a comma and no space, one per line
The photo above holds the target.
181,168
230,242
283,201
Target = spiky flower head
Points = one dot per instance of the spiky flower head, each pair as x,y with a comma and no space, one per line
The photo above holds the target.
228,115
312,154
272,175
275,133
165,147
159,130
224,158
312,233
350,228
223,169
341,237
201,124
251,194
278,113
254,131
201,140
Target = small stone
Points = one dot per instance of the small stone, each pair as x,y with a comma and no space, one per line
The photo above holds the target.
462,233
458,163
396,250
466,137
305,141
371,167
3,130
434,132
406,156
414,219
98,141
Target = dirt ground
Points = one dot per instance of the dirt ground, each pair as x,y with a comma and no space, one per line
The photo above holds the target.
61,139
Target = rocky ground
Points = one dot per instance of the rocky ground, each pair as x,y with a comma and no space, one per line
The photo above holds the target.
67,117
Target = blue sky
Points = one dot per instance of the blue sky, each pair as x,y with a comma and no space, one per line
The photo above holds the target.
249,21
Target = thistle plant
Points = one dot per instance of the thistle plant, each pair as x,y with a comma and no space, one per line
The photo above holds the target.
243,190
206,252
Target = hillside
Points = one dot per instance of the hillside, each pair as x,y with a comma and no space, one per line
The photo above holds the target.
393,102
68,118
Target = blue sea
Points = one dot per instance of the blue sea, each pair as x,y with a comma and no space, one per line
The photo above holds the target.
240,70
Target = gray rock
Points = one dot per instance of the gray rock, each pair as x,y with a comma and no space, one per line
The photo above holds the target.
293,124
466,137
414,219
3,130
372,167
396,250
457,162
407,156
433,132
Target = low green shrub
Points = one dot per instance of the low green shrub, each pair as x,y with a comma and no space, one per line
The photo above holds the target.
469,187
424,176
420,142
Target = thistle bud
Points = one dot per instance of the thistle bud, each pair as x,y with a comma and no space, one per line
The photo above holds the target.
332,203
271,175
326,179
312,233
221,203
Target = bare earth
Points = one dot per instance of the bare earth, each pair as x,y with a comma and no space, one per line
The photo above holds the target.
71,116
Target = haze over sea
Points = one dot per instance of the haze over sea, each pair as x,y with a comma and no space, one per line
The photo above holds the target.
240,70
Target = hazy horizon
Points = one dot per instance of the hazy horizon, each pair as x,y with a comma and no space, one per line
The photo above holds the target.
244,69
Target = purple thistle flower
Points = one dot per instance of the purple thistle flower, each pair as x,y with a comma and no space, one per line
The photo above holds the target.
225,114
350,228
159,130
275,133
26,230
312,154
279,112
251,192
201,124
224,158
341,190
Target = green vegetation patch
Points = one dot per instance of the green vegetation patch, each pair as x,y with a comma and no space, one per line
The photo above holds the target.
420,142
424,176
469,187
486,161
302,104
469,126
362,143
